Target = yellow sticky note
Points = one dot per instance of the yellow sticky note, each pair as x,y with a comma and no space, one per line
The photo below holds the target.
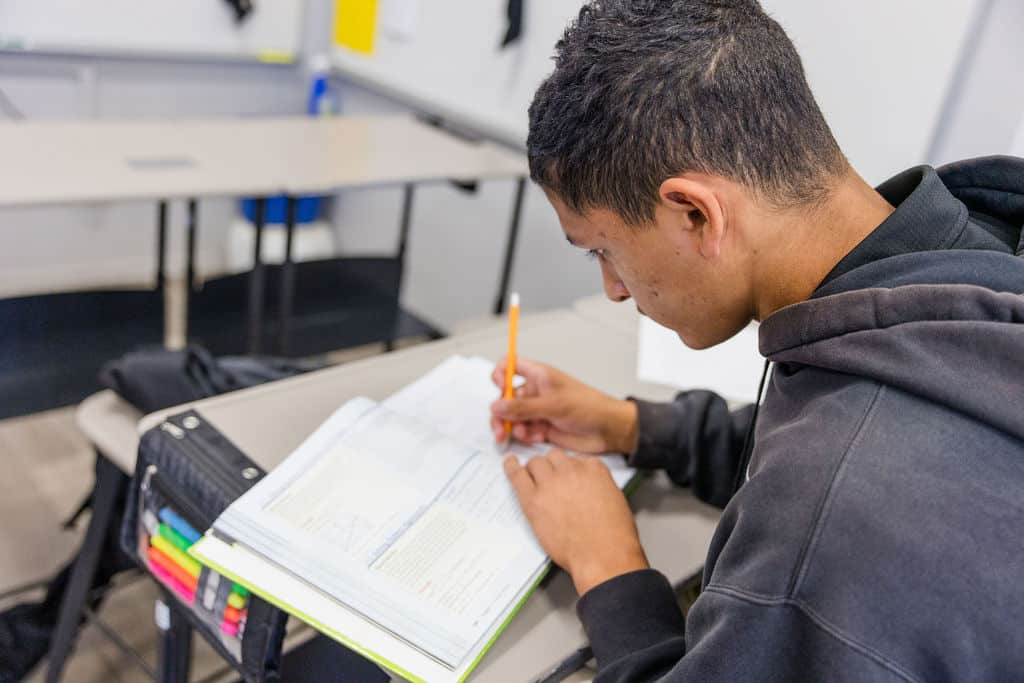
276,57
355,24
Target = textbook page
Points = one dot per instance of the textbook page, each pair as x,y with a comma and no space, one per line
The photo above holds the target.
401,512
415,532
303,600
454,399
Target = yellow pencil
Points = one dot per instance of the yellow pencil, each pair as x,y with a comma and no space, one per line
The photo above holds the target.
510,367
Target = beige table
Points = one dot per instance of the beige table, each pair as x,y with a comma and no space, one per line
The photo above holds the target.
60,162
268,422
103,161
621,316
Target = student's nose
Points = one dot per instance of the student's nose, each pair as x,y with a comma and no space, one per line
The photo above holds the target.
613,287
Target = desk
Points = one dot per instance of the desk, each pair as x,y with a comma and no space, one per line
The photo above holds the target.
621,316
268,422
106,161
103,161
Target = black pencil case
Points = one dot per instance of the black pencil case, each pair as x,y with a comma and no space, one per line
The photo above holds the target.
187,473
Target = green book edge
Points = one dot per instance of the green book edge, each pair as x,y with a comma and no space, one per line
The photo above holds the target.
372,656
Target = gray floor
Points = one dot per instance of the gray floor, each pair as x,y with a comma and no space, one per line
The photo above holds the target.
48,468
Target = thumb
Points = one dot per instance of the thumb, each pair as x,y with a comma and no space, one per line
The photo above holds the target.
525,408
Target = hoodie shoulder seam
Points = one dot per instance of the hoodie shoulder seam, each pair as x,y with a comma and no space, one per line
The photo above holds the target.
825,504
819,622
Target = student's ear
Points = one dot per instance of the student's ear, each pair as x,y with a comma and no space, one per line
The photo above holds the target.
698,210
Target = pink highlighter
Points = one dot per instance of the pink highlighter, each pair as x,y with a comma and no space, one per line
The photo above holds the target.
168,580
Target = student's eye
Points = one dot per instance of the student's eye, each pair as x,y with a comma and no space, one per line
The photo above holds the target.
595,254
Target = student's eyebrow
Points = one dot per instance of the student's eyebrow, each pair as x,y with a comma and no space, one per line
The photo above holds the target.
570,241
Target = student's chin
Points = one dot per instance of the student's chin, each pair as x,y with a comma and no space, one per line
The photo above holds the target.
696,343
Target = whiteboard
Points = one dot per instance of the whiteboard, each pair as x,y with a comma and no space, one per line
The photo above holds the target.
198,28
880,69
448,61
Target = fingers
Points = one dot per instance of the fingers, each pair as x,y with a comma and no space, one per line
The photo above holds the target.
530,370
498,376
519,477
557,458
533,431
523,409
541,469
498,428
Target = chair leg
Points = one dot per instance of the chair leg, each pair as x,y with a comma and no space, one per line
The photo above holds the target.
175,658
109,480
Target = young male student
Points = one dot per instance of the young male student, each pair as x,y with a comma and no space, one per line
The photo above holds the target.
878,534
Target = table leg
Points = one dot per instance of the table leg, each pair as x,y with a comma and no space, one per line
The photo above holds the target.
161,261
109,479
256,281
190,259
287,280
510,248
161,245
175,655
403,243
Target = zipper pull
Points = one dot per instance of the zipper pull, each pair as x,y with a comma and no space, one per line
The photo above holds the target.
150,471
174,430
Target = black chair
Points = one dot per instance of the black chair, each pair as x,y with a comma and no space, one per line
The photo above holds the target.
338,303
53,345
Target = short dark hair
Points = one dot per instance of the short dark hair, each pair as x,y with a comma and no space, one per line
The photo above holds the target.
644,90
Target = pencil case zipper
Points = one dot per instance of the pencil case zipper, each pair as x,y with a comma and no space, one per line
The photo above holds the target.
232,480
189,511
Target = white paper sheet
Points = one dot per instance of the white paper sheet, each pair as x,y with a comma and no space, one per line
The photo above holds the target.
454,399
732,369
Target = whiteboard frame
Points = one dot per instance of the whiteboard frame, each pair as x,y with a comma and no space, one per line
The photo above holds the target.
26,47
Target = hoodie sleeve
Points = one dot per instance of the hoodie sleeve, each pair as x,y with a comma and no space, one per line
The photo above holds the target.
637,635
695,439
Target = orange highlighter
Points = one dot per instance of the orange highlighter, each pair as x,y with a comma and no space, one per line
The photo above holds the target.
510,366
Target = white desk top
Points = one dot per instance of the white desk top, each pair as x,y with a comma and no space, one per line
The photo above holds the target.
95,161
269,421
621,316
111,424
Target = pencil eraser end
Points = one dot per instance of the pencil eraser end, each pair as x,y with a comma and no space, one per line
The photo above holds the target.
514,299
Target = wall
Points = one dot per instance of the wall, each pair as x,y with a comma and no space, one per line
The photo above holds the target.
456,240
987,103
43,249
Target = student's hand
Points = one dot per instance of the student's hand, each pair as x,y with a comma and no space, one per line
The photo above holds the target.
579,516
555,408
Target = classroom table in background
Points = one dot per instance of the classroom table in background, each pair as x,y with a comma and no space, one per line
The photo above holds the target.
52,163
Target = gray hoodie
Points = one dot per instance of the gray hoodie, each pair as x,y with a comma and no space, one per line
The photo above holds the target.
879,534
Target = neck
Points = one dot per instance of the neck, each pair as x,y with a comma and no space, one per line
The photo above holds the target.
808,243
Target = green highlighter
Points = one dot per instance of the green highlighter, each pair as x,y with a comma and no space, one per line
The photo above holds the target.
174,538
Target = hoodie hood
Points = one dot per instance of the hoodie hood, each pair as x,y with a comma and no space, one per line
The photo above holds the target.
945,325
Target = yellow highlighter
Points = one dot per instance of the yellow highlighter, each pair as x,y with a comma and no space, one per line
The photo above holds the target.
510,367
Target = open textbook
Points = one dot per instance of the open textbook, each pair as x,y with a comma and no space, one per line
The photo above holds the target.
393,528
